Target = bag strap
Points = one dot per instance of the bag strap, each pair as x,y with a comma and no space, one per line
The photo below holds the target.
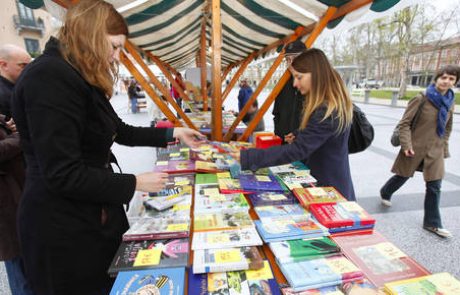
419,111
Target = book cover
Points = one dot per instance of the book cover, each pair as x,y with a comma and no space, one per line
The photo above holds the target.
205,178
162,281
257,183
226,239
289,228
435,284
318,195
175,155
229,259
229,185
175,183
163,202
333,290
150,254
296,179
341,214
198,284
271,198
158,228
294,166
380,260
322,272
303,249
281,210
173,167
215,202
206,167
222,221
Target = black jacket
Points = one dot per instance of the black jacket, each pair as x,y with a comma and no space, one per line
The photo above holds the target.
6,89
287,110
71,216
321,148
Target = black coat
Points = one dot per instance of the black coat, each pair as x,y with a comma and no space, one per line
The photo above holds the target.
321,148
71,216
6,89
287,110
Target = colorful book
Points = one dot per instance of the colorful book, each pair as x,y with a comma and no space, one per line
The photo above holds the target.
229,259
174,184
294,166
333,290
206,167
222,221
205,178
163,202
226,239
173,167
161,281
258,183
229,185
296,179
271,198
319,273
212,201
380,260
150,254
158,228
247,282
317,195
182,154
285,228
342,216
281,210
435,284
303,249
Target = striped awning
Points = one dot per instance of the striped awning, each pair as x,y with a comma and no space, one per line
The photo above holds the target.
170,29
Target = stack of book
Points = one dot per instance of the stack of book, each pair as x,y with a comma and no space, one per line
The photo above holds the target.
271,198
229,185
318,195
253,182
158,228
435,284
343,218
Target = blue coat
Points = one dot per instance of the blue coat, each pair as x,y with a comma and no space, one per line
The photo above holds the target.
243,96
319,146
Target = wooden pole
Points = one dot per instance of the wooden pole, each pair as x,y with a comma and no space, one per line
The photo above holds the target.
237,75
216,43
204,72
319,27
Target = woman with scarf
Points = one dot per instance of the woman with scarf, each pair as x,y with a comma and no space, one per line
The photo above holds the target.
424,147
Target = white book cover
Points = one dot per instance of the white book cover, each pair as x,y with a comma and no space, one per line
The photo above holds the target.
229,259
226,239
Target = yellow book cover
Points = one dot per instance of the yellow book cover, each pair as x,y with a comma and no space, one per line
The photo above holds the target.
435,284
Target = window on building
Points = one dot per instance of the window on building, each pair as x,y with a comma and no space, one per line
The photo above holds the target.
26,14
32,46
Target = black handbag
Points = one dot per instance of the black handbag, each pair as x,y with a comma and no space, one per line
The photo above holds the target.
361,133
395,135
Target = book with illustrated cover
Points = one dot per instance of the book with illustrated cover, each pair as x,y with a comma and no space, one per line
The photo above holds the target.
271,198
303,249
160,281
319,273
222,221
215,202
226,238
163,202
247,282
318,195
181,210
229,259
205,178
281,210
260,183
285,228
229,185
435,284
172,167
380,260
158,228
296,179
294,166
333,290
150,254
182,154
206,167
342,216
174,184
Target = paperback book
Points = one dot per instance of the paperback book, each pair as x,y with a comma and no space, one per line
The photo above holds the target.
260,183
435,284
173,167
174,184
222,221
292,167
318,195
229,259
281,210
296,179
179,155
215,202
271,198
158,228
163,202
205,178
303,249
162,281
380,260
150,254
226,239
229,185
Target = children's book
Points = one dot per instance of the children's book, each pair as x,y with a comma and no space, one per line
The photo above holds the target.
161,281
380,260
214,202
247,282
222,221
322,272
294,166
435,284
150,254
281,210
318,195
342,215
271,198
158,228
303,249
226,238
296,179
173,167
163,202
229,259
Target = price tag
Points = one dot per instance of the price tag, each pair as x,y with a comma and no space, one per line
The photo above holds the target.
148,257
177,227
227,256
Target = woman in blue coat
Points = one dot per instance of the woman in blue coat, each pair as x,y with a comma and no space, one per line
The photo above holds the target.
71,216
322,139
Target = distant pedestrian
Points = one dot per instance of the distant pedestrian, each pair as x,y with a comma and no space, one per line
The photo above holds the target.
425,146
244,94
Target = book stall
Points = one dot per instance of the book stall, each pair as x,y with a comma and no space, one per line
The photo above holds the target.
215,229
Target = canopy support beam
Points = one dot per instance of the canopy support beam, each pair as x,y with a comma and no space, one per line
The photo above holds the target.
203,71
216,43
237,75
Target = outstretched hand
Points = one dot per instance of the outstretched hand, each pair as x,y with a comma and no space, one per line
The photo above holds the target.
151,182
190,137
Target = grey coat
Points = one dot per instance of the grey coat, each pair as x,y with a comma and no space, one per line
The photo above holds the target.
430,150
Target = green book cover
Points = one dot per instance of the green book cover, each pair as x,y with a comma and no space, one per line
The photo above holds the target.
303,249
204,178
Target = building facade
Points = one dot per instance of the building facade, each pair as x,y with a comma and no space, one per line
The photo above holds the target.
25,27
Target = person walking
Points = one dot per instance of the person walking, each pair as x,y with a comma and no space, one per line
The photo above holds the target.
71,216
425,145
322,139
244,94
287,110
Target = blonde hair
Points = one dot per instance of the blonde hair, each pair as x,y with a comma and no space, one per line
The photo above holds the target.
327,88
83,41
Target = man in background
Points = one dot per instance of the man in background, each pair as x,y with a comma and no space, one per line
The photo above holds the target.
289,102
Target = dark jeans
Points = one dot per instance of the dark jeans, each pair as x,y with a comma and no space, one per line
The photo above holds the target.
432,215
16,278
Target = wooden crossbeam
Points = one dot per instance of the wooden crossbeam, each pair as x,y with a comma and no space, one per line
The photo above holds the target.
216,43
237,75
204,71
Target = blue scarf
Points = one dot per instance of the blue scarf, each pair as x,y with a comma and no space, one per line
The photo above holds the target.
443,104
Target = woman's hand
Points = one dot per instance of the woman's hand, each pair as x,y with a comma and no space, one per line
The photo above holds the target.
151,181
11,125
409,153
289,138
190,137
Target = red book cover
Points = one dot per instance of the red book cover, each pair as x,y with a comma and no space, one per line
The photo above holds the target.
380,260
318,195
328,216
171,167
